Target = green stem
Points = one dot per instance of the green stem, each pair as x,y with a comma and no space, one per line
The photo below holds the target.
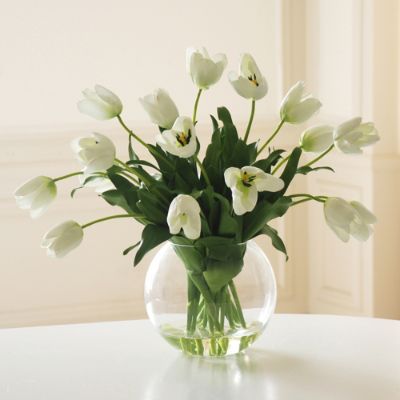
110,217
131,133
130,177
196,105
253,108
203,171
320,156
299,202
67,176
237,303
308,197
280,164
136,137
271,137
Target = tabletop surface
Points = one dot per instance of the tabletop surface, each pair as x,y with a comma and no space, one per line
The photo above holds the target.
297,357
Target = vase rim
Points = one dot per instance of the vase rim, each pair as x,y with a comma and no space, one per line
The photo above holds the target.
217,245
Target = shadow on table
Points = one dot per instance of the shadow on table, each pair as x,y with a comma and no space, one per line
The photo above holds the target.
260,374
231,377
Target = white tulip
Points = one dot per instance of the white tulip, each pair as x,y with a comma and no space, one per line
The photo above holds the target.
95,152
351,136
161,108
204,70
180,140
100,103
62,239
348,219
296,107
317,139
249,83
36,195
245,184
184,213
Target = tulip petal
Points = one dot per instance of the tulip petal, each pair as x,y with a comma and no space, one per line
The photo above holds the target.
341,233
232,176
31,185
109,98
303,110
317,138
366,215
346,127
338,212
192,228
91,108
270,183
360,231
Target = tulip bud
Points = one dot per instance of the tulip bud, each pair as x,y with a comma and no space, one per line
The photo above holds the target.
100,103
249,83
348,219
351,136
96,152
36,195
63,238
204,70
296,108
161,109
184,213
317,139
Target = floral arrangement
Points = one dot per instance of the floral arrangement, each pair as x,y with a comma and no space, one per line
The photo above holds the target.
228,198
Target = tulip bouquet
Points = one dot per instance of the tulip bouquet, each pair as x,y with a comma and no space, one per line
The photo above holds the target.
228,198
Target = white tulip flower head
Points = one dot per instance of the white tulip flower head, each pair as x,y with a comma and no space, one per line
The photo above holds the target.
36,195
184,213
249,82
317,138
351,136
296,107
204,70
160,108
245,183
100,103
96,152
348,219
180,140
63,238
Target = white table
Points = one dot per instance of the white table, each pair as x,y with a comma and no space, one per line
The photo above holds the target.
298,357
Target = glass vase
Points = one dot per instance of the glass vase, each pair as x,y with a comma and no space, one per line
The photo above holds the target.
210,300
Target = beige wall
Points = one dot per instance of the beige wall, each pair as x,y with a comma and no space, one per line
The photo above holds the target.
346,50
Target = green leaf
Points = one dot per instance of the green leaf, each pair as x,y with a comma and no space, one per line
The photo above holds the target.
223,260
307,169
227,225
288,174
224,115
220,273
192,257
142,162
151,208
215,123
267,163
130,248
277,242
125,189
115,198
264,212
73,191
152,236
